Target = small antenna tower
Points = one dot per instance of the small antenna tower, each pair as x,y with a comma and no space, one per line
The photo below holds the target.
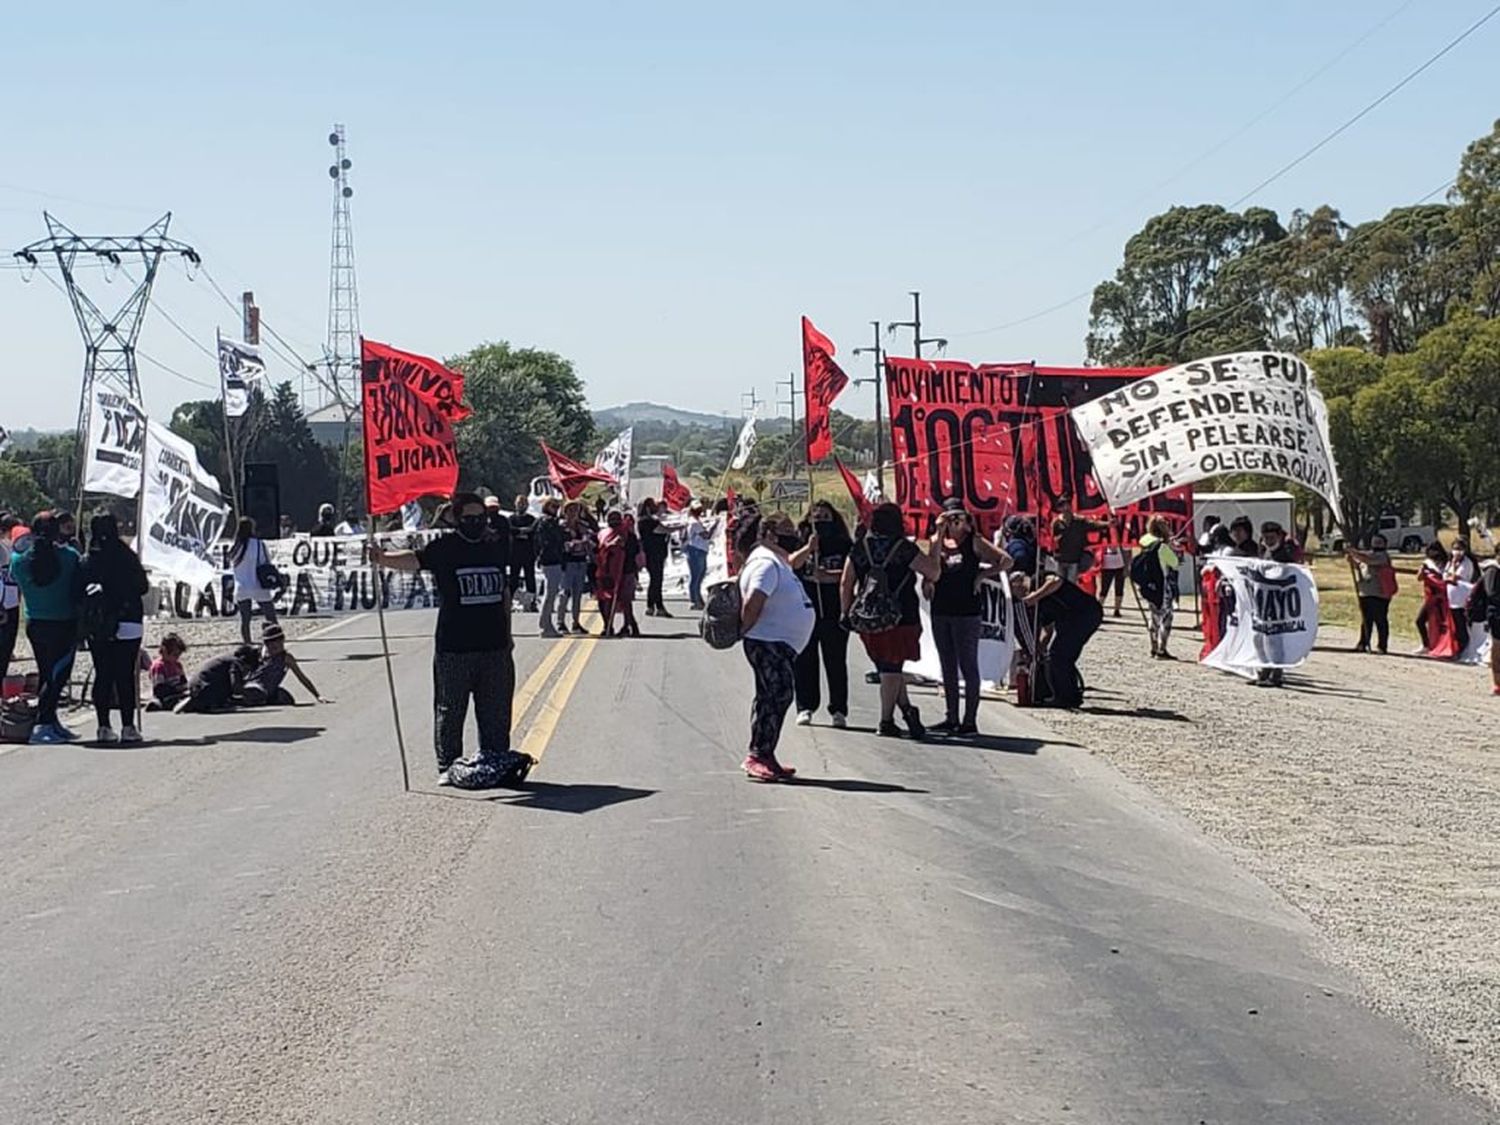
341,352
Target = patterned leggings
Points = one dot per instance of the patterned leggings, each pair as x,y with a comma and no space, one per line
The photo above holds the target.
775,667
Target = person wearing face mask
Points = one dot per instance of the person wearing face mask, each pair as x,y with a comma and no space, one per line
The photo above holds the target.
472,649
826,536
956,611
776,623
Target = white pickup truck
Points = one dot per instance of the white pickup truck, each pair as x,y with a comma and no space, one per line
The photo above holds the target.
1401,536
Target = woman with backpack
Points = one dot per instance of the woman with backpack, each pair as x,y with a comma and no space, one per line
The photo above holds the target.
1154,574
252,567
114,583
878,595
956,611
47,571
776,623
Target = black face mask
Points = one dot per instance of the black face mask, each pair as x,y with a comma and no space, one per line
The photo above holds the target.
472,527
789,543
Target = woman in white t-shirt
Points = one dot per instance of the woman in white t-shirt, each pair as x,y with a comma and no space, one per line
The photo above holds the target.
247,555
776,621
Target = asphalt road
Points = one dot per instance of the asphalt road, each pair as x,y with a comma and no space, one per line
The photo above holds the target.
250,922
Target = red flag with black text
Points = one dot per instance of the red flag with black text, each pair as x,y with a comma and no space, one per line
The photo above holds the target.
822,380
856,491
409,404
571,476
674,494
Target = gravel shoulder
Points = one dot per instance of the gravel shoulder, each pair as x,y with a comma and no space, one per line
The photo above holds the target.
1366,792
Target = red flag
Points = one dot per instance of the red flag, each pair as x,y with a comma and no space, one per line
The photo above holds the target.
409,404
571,476
857,491
822,380
674,494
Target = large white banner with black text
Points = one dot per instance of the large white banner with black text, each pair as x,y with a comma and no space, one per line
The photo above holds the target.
182,513
1255,412
117,438
1269,612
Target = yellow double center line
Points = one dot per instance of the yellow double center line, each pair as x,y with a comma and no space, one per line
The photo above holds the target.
550,710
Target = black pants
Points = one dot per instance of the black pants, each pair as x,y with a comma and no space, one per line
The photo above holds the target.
957,640
831,641
1069,634
1115,578
53,643
1461,628
656,566
775,668
1374,616
522,575
116,675
490,677
8,633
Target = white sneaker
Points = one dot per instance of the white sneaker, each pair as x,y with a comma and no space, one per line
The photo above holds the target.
443,778
107,737
839,721
130,734
804,718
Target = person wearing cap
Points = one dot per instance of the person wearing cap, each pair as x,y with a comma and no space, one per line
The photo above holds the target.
956,610
1161,602
1071,534
1275,544
263,685
473,653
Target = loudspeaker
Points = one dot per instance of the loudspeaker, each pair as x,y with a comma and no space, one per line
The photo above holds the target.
261,497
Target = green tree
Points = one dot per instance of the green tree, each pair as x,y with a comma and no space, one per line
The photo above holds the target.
19,492
519,396
1476,219
1367,476
1404,270
53,464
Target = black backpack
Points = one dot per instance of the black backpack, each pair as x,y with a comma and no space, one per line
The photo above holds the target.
98,616
1147,574
491,771
720,624
877,605
1478,605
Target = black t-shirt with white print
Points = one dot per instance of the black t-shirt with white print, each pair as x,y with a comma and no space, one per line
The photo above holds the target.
472,612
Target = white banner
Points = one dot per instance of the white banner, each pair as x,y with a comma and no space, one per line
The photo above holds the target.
872,488
117,437
1270,614
183,512
615,458
997,637
745,445
411,516
1255,412
240,365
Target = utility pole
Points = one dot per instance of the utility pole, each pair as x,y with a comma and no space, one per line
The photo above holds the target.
790,402
878,378
249,318
108,341
915,324
750,404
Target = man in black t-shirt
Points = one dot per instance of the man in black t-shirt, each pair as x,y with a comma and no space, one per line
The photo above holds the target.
523,554
472,649
1071,532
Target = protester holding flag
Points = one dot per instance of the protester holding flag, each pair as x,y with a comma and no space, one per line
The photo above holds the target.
1435,621
47,572
114,582
656,545
472,655
882,569
825,536
956,610
578,553
252,568
776,622
615,574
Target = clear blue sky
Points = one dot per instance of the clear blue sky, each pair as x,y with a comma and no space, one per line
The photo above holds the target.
657,191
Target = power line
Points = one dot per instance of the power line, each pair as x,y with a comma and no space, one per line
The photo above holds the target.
173,371
1344,127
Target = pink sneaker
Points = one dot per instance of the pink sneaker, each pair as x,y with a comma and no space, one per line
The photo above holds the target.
758,769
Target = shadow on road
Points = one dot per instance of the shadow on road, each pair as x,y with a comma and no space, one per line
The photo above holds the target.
1000,743
570,798
1137,713
847,785
665,637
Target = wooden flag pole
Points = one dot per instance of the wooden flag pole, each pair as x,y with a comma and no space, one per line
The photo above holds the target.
385,649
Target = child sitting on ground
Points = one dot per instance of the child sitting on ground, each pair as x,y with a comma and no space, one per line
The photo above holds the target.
169,683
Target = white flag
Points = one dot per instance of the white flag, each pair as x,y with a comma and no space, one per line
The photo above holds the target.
411,516
872,488
4,439
240,365
1270,614
182,513
1254,412
746,443
615,458
117,434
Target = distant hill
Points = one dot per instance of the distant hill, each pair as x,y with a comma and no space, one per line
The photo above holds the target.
637,413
